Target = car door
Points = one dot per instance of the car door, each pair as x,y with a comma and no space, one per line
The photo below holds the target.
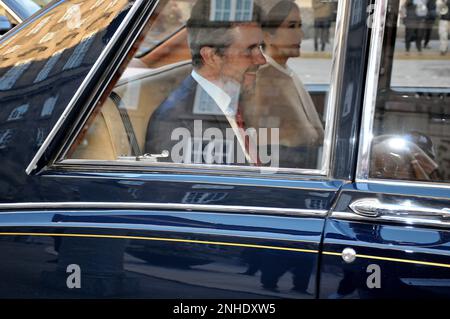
78,221
388,233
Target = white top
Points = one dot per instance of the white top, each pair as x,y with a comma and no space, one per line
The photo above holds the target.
227,103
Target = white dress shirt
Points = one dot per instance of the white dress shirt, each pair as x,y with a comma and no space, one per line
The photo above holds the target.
227,103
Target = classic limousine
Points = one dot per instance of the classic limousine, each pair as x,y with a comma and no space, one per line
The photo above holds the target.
358,209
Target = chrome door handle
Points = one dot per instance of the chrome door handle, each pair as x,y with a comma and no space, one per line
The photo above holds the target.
372,207
151,158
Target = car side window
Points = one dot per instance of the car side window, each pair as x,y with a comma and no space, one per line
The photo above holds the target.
240,83
411,128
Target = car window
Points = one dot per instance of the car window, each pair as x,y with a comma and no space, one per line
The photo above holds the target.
245,84
411,128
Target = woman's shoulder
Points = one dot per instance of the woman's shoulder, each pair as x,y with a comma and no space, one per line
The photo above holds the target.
270,73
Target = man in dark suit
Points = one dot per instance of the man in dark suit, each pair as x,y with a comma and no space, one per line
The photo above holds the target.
201,122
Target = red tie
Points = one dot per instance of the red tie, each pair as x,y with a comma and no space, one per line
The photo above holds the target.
241,124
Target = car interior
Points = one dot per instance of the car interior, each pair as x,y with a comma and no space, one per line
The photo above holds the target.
147,81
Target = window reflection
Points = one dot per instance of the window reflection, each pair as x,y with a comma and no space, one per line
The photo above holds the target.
411,127
18,113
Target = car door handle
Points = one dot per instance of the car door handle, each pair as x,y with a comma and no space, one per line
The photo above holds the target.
373,207
151,158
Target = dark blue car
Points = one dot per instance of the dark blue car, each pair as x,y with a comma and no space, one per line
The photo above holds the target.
356,205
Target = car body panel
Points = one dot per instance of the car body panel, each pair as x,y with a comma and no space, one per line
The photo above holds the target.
158,232
412,255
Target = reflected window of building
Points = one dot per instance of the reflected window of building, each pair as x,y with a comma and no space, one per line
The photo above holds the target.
45,71
5,138
79,53
49,105
221,10
39,26
40,136
9,79
18,113
232,10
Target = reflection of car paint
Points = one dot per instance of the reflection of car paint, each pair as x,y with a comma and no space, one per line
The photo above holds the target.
228,236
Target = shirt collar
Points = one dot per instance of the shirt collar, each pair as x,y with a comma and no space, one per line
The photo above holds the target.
226,103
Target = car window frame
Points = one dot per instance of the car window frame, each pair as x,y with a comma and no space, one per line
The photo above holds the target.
369,106
58,161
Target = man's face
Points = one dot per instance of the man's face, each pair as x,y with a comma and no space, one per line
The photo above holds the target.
243,57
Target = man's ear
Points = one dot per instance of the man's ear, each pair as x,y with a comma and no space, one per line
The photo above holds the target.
209,56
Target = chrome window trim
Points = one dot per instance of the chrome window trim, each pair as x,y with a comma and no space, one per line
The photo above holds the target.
342,23
392,182
403,220
33,164
264,171
283,182
11,12
163,206
369,106
370,94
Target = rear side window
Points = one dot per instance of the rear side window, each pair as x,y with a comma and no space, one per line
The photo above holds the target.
411,127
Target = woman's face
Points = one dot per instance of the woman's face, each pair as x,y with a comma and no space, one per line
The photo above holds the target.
288,37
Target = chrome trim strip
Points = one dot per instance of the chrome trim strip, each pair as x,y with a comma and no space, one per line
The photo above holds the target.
202,179
393,182
410,221
33,164
342,24
165,206
370,94
11,12
266,171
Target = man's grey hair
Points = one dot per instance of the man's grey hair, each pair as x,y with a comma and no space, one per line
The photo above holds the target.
206,32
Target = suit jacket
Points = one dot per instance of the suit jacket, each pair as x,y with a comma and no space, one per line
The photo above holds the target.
178,112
